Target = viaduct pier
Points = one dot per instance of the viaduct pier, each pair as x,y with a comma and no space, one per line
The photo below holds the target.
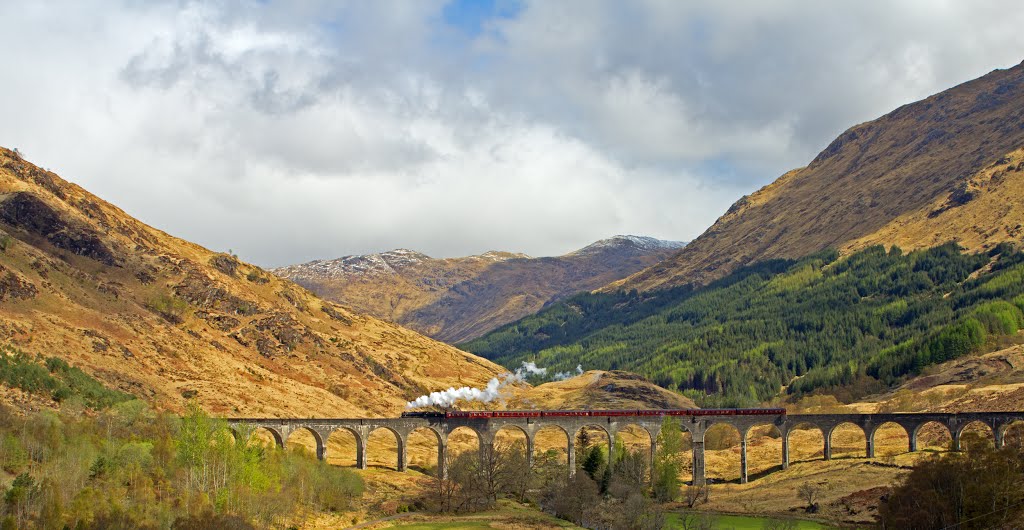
486,429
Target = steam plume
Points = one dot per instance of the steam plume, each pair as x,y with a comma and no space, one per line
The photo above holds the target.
562,376
493,390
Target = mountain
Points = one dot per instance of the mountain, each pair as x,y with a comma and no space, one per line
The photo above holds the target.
846,325
893,250
458,299
946,168
167,320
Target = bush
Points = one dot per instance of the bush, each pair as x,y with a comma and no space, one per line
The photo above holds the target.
56,378
977,489
172,309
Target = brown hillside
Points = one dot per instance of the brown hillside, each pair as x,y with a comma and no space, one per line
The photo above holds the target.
598,389
984,210
873,184
166,320
459,299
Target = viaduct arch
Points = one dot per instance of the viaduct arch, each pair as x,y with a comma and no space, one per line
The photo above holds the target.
697,426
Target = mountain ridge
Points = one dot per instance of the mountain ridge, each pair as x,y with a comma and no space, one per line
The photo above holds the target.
457,299
866,179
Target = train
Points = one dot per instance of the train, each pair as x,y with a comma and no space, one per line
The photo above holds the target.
591,413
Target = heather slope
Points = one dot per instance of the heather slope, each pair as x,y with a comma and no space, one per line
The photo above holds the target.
458,299
167,320
878,182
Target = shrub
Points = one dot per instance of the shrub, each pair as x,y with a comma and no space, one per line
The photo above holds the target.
172,309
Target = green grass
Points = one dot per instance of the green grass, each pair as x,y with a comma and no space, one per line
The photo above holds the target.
742,522
505,515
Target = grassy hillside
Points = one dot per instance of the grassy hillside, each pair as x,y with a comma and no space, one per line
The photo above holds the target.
904,178
168,321
855,324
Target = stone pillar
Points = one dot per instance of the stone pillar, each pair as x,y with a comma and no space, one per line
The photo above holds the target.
870,443
611,449
654,456
1000,436
571,446
282,438
956,440
913,441
402,453
529,451
743,459
321,450
827,453
442,459
698,462
785,450
361,452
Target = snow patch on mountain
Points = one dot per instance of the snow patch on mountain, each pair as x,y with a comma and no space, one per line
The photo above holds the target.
640,244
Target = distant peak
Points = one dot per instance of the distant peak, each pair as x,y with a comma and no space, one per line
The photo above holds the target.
500,255
381,263
639,243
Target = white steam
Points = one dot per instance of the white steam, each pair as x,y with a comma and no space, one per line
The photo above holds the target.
562,376
493,390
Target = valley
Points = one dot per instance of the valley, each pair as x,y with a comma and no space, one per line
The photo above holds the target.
458,299
843,347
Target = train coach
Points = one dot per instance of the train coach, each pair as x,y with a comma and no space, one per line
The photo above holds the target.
475,414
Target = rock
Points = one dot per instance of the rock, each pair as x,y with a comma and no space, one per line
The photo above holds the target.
13,286
29,213
225,263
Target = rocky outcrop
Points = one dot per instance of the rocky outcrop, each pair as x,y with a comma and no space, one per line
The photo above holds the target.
25,211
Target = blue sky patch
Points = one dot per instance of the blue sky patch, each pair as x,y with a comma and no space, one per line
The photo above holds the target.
470,16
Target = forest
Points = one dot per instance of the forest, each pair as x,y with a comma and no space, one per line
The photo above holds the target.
103,459
847,325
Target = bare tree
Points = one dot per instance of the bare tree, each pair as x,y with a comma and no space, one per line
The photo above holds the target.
808,493
695,495
690,520
444,489
518,474
780,524
631,469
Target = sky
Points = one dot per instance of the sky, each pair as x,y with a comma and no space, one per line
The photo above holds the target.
291,131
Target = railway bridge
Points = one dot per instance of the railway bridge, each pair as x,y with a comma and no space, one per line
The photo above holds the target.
697,426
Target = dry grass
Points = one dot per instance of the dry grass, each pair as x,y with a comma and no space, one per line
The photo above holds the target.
877,183
275,352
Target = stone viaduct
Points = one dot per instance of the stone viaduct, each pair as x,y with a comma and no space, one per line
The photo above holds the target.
697,426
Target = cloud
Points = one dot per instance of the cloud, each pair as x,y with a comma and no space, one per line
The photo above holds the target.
291,132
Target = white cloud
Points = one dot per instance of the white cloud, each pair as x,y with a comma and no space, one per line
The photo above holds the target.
290,132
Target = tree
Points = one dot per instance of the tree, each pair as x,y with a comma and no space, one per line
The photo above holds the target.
573,500
808,492
631,468
668,460
694,495
780,524
690,520
444,488
21,498
518,474
977,489
594,463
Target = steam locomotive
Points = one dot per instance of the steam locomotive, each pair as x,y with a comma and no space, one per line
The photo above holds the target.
590,413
